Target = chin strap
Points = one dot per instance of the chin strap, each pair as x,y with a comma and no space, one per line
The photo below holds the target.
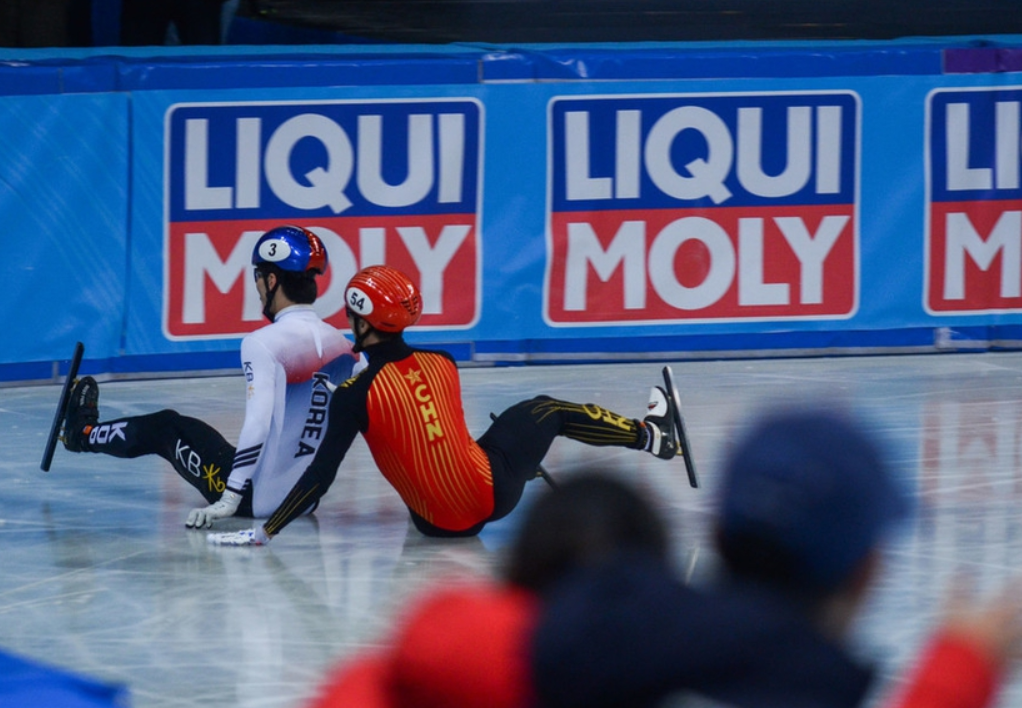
354,319
270,293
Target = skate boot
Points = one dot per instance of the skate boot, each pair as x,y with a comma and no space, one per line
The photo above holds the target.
659,421
81,415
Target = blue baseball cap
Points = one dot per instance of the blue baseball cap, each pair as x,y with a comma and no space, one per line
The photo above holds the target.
815,485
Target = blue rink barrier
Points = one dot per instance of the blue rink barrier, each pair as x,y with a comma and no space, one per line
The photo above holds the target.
564,202
50,71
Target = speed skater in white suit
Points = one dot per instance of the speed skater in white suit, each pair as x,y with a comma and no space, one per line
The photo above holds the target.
290,367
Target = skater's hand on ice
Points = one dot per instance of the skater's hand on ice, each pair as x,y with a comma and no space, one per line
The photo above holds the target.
204,518
248,537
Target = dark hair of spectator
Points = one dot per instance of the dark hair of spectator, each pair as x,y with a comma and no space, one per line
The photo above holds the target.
585,520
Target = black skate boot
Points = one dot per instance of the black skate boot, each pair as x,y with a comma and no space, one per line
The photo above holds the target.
659,421
81,415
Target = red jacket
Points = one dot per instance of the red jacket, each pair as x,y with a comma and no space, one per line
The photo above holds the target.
953,673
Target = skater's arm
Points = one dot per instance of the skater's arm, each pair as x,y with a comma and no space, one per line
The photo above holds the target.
341,430
346,420
261,372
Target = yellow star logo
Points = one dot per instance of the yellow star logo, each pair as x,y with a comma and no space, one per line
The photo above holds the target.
414,376
212,476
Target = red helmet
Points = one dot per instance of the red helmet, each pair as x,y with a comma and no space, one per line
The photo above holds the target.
384,297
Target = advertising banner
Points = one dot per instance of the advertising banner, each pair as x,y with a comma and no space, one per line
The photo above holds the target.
709,207
394,182
576,218
974,201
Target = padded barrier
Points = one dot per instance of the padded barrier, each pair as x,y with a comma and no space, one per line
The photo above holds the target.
87,185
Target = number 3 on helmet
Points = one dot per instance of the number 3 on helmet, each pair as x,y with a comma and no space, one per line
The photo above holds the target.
384,297
291,248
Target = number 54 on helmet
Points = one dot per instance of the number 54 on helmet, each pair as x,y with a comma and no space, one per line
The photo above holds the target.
384,297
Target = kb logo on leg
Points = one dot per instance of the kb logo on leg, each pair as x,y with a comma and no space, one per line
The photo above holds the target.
107,433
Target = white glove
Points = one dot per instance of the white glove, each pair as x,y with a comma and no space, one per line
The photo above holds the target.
204,518
247,537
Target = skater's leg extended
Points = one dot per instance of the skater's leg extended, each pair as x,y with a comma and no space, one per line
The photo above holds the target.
528,428
196,450
521,436
587,422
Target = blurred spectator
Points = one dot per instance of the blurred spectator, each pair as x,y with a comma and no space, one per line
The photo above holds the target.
463,647
45,23
147,22
591,613
805,506
467,646
966,660
596,517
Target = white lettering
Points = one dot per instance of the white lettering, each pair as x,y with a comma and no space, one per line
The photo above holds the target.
661,263
188,458
1007,136
108,432
432,261
247,163
370,162
812,250
580,185
628,163
326,185
726,264
828,149
201,260
750,139
452,157
752,290
706,176
372,244
203,265
959,175
810,146
198,193
962,239
1004,172
627,247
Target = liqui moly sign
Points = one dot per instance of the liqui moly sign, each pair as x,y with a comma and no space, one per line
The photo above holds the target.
395,182
685,208
974,201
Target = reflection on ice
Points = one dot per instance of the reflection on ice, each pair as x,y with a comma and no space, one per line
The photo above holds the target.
101,577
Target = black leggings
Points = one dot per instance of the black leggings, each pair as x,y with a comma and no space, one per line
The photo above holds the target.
196,450
520,438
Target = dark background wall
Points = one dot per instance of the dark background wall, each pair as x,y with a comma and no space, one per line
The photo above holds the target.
520,21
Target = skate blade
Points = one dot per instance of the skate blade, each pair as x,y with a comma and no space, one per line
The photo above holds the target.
57,427
684,448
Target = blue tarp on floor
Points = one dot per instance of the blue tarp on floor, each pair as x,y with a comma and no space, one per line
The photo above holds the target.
25,684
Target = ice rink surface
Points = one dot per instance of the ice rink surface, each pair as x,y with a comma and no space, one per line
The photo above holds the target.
99,575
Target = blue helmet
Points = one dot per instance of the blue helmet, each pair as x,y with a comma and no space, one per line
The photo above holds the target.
291,248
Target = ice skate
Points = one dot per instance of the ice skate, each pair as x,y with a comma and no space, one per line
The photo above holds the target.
60,412
82,413
682,446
